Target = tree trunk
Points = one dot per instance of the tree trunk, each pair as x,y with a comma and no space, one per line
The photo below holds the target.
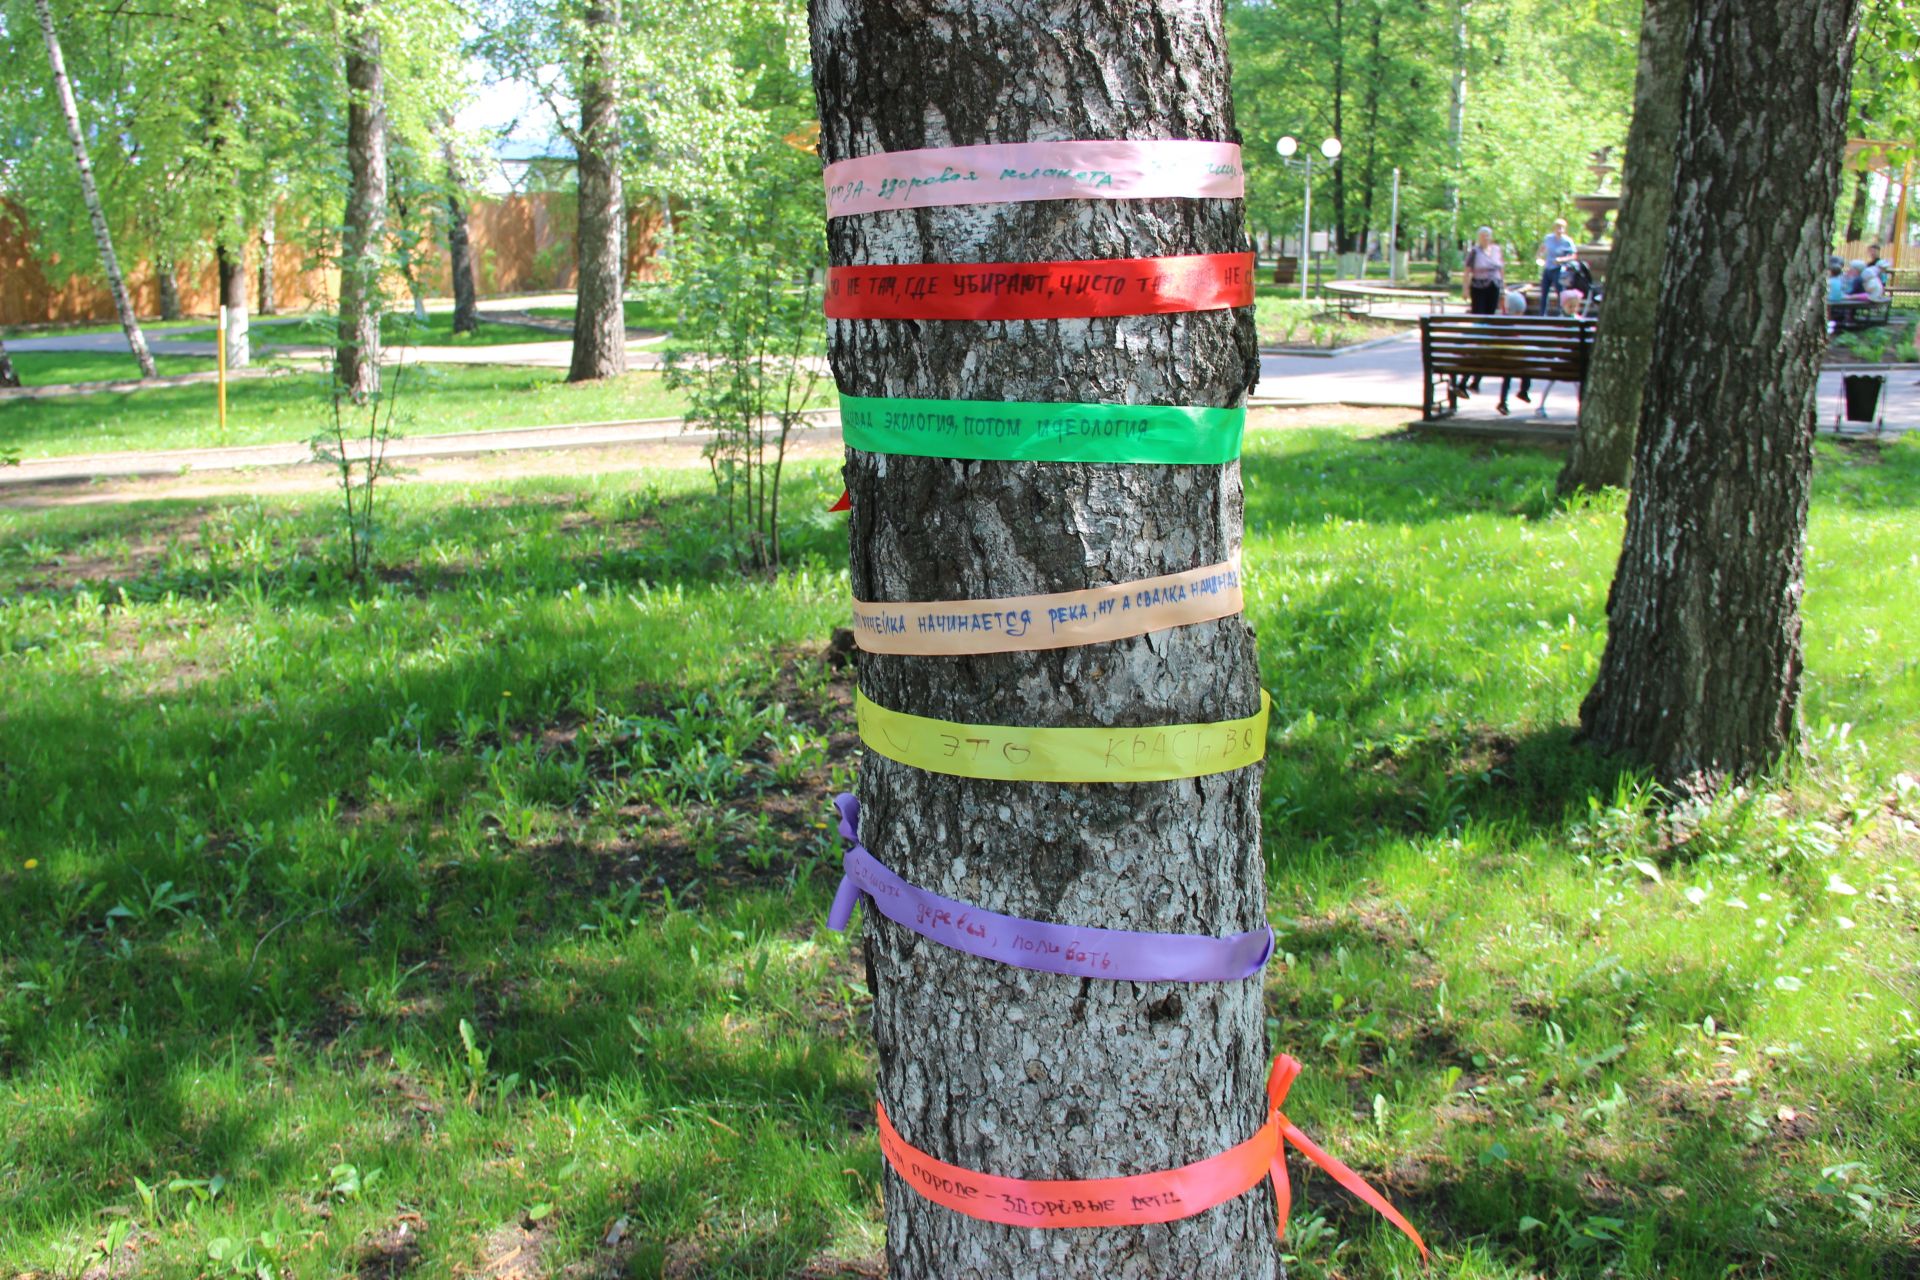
8,378
269,304
232,265
116,284
1000,1069
1456,134
1370,173
1340,244
1610,401
357,363
168,274
466,312
599,315
1701,673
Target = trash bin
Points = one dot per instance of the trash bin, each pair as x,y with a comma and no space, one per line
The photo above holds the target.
1862,392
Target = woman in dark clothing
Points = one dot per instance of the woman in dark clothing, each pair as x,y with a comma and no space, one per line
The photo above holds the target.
1486,275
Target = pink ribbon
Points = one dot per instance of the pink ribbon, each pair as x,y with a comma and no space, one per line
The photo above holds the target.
1007,172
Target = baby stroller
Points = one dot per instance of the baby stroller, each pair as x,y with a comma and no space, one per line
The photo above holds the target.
1585,304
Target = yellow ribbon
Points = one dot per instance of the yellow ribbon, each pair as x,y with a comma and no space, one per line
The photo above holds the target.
1013,753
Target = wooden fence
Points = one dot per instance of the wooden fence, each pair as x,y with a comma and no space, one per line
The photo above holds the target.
521,244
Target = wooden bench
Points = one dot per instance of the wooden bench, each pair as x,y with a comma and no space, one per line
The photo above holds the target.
1544,348
1859,313
1353,297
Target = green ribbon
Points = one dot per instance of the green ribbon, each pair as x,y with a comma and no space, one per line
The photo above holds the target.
1007,431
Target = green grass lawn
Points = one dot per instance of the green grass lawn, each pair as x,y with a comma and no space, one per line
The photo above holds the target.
1283,320
434,400
435,929
650,310
46,368
398,329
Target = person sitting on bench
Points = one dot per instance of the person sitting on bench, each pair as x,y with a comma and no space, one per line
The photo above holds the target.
1836,279
1516,306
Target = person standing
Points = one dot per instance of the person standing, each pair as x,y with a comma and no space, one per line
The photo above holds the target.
1486,275
1556,250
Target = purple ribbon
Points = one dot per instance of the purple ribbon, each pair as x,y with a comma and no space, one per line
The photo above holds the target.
1118,955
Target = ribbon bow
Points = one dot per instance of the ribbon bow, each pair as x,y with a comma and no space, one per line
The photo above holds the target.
1279,1080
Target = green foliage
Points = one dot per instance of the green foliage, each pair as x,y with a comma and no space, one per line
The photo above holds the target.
748,355
1283,320
748,333
1547,83
205,115
748,344
354,446
686,99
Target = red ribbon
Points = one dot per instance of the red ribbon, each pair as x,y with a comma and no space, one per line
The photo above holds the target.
1041,290
1164,1196
844,503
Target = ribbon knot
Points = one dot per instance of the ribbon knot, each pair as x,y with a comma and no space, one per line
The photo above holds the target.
1279,1080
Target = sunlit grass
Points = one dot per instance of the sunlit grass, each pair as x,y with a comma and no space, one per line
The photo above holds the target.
484,909
433,400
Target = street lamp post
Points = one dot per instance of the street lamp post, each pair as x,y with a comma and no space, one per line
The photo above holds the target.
1331,150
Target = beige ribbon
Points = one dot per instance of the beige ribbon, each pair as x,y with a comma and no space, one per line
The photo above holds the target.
1058,621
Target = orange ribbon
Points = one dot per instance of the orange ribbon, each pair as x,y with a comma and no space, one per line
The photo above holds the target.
1165,1196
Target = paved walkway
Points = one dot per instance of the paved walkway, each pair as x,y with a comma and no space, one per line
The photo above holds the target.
1378,375
1388,375
78,468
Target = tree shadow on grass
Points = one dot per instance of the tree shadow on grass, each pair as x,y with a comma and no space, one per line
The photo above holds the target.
1307,477
546,538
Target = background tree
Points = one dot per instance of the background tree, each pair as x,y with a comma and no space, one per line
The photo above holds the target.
1610,401
1389,78
1701,674
667,84
90,194
995,1068
8,378
600,251
357,352
466,312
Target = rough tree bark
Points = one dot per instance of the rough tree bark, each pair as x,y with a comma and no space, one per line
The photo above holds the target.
599,314
168,274
232,266
1701,673
357,358
1338,179
269,303
1857,215
8,378
466,312
1456,131
1371,109
994,1068
116,283
1610,402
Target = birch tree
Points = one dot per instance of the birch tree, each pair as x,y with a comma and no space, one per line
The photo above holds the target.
994,1068
117,284
1701,675
1602,453
357,351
